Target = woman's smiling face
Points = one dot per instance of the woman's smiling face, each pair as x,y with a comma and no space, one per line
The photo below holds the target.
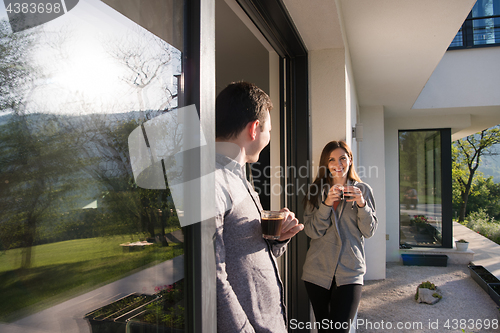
339,163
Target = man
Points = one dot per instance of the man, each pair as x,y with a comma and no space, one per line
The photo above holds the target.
249,289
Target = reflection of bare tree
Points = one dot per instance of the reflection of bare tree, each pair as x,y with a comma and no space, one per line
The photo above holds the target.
14,69
46,157
49,159
20,156
57,40
102,141
147,59
35,157
37,152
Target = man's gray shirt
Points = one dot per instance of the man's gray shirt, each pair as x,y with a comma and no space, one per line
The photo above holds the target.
249,289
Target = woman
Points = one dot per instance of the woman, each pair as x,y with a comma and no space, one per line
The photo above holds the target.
339,215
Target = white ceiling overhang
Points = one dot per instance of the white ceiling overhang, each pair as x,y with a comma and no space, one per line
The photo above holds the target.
394,45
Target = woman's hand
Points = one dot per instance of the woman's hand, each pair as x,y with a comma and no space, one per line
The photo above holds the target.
353,193
334,194
290,226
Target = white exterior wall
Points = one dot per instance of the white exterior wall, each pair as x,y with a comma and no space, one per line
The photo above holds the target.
391,128
468,80
334,110
463,78
372,170
327,98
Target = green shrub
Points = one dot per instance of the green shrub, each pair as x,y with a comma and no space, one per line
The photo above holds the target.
168,310
480,215
426,284
485,225
437,295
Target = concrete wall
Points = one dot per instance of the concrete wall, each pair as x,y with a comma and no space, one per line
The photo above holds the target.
372,170
327,99
463,78
334,111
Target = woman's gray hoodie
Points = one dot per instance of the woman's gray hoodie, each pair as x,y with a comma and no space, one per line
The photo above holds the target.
337,240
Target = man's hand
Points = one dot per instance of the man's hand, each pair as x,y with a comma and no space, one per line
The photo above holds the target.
290,226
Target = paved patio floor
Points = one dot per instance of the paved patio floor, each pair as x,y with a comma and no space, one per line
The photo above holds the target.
464,302
486,252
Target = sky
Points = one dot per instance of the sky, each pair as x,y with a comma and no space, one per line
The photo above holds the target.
3,13
81,75
490,166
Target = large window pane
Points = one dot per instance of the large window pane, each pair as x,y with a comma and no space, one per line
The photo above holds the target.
486,28
486,31
420,188
76,232
458,41
482,26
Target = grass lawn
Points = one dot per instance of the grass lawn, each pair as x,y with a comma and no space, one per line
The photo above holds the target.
66,269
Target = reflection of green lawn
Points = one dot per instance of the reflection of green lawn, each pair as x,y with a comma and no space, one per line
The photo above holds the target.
65,269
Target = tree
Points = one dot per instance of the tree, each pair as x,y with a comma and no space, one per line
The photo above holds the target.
57,157
17,146
103,146
417,149
466,157
35,155
148,60
14,69
485,195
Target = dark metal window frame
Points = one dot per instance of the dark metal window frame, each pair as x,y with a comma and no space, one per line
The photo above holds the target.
446,184
199,89
468,33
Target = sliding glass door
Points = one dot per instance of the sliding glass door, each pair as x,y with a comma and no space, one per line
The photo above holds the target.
82,245
425,188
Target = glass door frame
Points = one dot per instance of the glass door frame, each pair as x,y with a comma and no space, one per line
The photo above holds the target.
273,21
199,89
446,185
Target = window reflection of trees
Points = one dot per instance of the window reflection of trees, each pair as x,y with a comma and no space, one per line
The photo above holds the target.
414,149
59,154
420,187
146,66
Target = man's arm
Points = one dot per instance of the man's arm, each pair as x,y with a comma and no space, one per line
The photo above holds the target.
278,247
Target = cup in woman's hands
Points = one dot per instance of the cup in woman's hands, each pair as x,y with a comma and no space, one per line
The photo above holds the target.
349,192
340,190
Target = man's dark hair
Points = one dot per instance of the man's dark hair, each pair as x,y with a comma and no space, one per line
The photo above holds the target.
237,105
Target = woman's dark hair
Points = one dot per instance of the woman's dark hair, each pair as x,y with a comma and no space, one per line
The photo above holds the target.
237,105
324,177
